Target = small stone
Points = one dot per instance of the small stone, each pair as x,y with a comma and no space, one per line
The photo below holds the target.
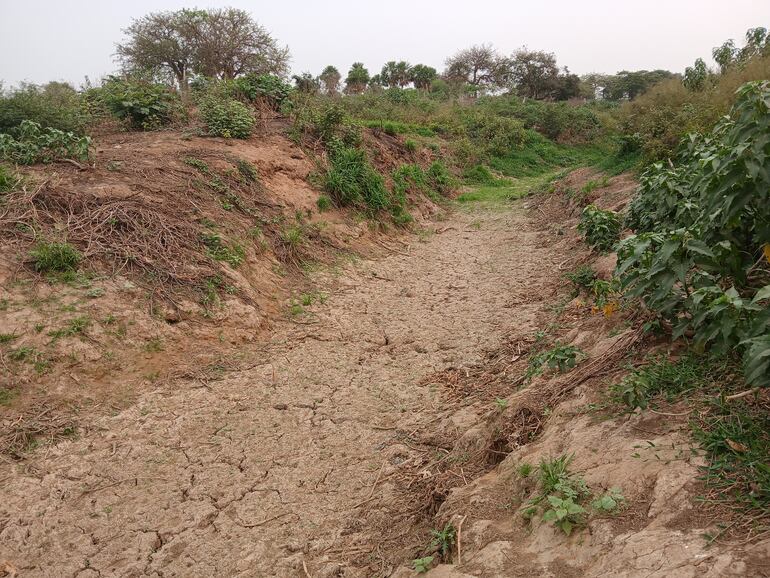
280,406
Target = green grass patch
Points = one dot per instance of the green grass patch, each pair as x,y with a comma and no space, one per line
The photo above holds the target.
502,193
393,128
734,434
55,257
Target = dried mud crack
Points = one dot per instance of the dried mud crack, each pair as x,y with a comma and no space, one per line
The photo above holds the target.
265,471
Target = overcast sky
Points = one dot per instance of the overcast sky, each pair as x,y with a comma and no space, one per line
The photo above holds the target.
42,40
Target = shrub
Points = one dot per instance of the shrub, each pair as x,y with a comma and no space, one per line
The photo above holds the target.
54,105
601,228
144,105
700,265
55,257
667,112
227,118
34,144
410,145
272,89
323,203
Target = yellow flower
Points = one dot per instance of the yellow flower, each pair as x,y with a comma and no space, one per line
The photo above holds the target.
609,309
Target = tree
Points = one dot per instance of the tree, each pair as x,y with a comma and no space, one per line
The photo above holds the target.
593,84
163,41
375,82
306,83
358,78
230,44
725,55
479,66
757,44
627,85
222,43
330,79
695,76
422,76
566,86
535,74
396,74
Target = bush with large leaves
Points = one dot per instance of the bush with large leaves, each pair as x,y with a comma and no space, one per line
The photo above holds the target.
701,255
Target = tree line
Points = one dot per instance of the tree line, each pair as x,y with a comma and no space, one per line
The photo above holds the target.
177,46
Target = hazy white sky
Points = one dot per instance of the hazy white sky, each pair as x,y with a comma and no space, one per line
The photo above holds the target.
43,40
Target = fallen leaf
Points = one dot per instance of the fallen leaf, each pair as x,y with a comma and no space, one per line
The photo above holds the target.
736,446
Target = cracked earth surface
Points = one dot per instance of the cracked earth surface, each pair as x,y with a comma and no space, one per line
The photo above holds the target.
260,471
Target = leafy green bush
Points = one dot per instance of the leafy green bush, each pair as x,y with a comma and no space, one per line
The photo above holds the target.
54,105
444,540
601,228
268,87
34,144
55,257
556,121
227,118
562,491
323,203
700,261
144,105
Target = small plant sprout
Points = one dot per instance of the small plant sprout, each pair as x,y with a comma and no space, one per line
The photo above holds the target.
501,403
582,277
564,513
324,203
422,565
524,470
444,539
610,501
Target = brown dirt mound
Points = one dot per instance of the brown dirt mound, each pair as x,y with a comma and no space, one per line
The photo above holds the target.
191,247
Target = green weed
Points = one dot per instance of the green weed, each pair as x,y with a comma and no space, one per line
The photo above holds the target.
55,257
583,277
422,565
232,255
560,357
444,540
324,203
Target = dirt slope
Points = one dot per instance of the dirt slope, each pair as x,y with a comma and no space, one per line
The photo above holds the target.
185,254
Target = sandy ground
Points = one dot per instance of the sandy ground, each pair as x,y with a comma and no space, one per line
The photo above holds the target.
259,471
